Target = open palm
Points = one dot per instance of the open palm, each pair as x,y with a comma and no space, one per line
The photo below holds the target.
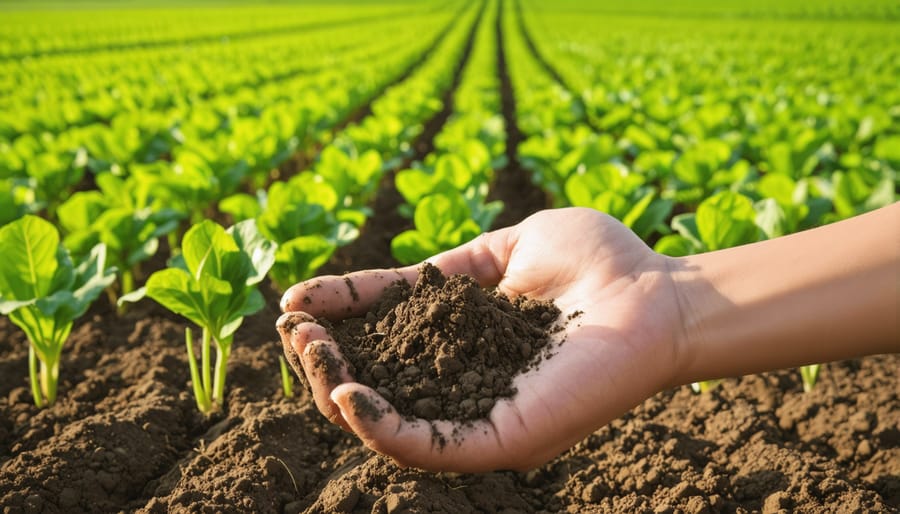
619,349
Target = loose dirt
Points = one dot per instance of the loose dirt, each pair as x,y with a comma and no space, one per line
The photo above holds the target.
126,436
445,348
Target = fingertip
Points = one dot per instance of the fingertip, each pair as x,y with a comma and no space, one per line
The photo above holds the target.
368,414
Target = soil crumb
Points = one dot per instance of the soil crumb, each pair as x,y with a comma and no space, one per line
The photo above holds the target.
446,348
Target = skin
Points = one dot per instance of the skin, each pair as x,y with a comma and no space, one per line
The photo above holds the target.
649,323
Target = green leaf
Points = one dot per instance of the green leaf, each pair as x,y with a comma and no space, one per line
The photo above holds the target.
686,225
29,248
203,247
241,206
770,218
725,220
412,246
177,291
300,258
92,276
675,245
260,250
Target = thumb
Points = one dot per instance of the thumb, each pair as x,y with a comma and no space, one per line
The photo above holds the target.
485,258
473,446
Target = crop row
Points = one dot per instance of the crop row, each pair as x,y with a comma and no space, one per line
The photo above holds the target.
209,147
83,31
446,193
285,232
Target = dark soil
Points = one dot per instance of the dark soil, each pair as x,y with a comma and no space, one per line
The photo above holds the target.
125,436
445,348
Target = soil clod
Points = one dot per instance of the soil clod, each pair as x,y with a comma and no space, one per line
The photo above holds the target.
445,348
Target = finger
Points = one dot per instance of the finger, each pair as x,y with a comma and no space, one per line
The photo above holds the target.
326,369
485,258
287,326
342,296
429,445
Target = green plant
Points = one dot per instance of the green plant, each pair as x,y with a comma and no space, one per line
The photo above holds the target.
810,375
213,283
287,381
44,292
443,221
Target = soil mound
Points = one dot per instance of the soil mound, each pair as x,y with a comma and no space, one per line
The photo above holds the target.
446,348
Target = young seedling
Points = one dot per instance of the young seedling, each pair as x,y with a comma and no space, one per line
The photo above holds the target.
809,374
704,386
287,380
213,283
44,292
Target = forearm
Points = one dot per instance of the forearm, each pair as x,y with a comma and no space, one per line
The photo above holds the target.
821,295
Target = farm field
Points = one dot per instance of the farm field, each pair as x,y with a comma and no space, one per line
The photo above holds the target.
340,136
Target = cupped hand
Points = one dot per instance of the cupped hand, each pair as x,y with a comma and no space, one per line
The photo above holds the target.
620,350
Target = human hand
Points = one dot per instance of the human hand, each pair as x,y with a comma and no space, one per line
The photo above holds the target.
621,350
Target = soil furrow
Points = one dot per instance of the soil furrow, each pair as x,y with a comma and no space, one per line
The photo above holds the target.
372,249
512,185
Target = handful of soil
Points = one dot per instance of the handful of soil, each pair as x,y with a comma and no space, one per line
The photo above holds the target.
446,348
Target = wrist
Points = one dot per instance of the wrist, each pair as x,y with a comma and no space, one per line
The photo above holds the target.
825,294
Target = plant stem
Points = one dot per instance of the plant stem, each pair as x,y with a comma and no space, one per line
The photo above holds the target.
49,375
705,386
223,351
202,396
33,377
809,374
126,282
287,383
205,358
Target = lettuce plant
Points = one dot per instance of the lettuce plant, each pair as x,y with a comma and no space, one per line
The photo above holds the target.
131,234
213,283
443,221
44,292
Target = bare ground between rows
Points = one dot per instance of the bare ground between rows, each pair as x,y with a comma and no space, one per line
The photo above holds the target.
125,436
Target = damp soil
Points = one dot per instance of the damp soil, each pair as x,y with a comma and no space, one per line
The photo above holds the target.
125,436
445,348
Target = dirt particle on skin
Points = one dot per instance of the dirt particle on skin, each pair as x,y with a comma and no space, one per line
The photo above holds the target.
364,407
307,300
353,293
445,348
326,365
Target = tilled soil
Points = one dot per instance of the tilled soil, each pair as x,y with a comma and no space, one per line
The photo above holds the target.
126,436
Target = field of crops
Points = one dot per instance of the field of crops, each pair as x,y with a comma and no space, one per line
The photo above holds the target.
301,138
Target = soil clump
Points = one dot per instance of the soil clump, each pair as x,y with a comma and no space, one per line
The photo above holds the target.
446,348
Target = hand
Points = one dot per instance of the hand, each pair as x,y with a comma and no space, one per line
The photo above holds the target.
621,350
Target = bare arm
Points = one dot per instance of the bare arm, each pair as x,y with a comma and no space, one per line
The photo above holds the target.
816,296
648,322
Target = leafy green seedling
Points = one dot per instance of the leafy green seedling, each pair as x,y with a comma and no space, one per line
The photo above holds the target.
213,283
287,381
443,221
810,374
131,235
44,292
705,386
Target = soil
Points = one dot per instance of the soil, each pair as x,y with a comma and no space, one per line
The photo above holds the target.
125,435
445,348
